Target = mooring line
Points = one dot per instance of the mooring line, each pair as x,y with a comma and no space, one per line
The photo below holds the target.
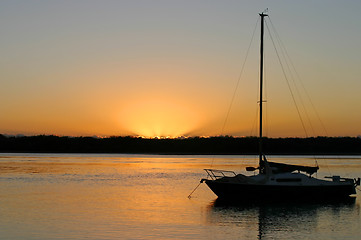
189,196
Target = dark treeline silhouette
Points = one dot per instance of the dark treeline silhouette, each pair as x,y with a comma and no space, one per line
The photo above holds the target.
193,145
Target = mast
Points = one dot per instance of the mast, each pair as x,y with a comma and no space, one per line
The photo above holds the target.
260,149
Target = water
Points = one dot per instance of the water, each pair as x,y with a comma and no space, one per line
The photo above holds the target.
104,196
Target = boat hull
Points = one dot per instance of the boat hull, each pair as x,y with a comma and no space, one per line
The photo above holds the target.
259,192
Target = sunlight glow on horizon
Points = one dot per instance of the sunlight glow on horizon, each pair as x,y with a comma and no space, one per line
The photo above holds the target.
159,118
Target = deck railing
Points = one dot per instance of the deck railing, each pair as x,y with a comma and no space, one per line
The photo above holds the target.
215,174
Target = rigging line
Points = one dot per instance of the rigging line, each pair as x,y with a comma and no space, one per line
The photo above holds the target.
286,57
299,79
237,84
284,53
288,84
239,78
238,81
289,60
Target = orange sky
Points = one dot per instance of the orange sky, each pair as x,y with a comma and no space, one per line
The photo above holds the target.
160,68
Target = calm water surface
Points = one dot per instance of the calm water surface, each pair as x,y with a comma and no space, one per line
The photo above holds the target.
85,196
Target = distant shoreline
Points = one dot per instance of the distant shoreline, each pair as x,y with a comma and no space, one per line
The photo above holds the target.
181,146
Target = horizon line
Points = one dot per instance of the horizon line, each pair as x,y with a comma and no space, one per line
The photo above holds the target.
166,137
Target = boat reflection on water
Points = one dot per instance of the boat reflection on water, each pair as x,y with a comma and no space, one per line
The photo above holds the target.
288,220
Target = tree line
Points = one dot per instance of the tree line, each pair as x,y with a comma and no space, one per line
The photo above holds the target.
191,145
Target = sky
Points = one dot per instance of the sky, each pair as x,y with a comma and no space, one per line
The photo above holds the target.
170,68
